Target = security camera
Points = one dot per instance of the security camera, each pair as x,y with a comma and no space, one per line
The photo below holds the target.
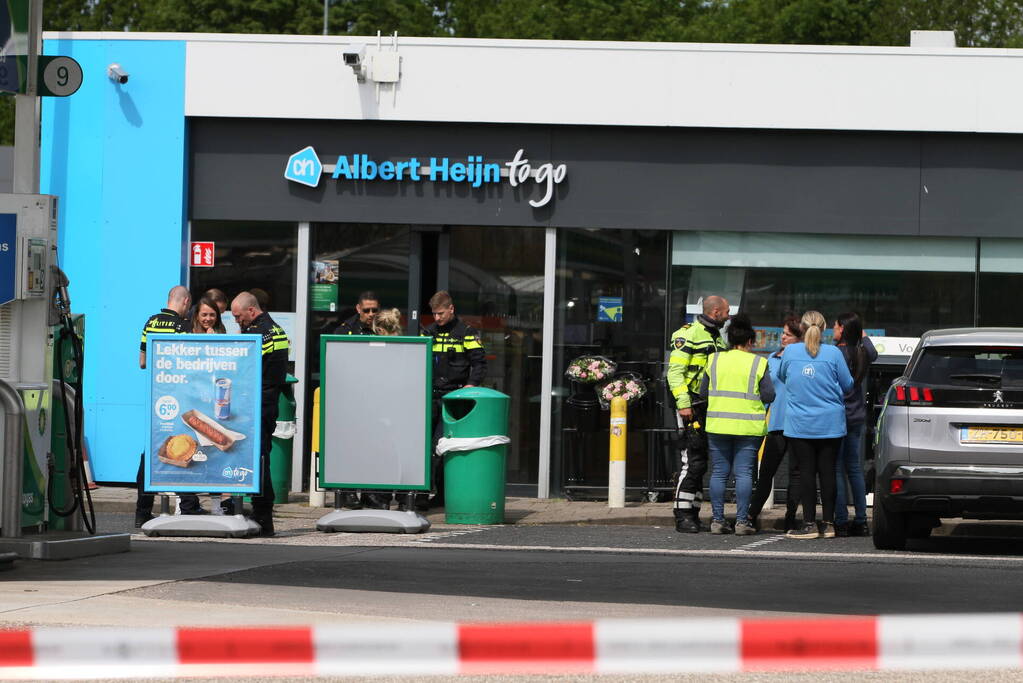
353,55
117,74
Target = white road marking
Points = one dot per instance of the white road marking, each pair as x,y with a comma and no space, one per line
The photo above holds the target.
759,544
429,538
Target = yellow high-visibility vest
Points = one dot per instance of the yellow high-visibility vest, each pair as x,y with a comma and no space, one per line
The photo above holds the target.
733,398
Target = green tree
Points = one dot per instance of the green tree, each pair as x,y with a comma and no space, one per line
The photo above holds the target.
647,20
977,23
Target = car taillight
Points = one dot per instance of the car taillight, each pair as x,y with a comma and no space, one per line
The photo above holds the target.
909,395
896,485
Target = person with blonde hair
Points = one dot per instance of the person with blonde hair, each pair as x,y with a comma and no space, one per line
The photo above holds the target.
816,379
388,323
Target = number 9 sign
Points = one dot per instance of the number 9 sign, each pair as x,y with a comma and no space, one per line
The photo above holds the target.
61,76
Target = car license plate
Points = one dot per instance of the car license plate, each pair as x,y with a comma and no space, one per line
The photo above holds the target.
991,435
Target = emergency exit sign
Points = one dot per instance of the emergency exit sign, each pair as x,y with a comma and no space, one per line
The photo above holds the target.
202,254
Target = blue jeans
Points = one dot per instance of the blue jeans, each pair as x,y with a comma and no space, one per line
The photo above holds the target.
848,465
730,453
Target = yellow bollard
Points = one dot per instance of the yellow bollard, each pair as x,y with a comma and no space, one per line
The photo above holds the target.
616,464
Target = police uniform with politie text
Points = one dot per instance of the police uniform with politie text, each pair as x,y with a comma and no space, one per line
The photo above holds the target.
168,321
253,320
458,361
691,348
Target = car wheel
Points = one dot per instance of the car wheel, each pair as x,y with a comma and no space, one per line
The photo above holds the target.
889,527
920,526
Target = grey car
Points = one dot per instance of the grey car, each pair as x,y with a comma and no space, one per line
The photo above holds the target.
950,435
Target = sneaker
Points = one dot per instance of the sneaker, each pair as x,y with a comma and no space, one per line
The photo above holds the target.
350,500
141,519
859,529
842,530
806,531
720,526
827,530
687,524
744,529
226,506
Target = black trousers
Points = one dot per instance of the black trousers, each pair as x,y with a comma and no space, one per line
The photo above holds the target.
693,465
263,504
816,459
144,501
775,447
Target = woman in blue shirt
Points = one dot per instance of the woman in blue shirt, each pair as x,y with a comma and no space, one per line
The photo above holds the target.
774,444
816,379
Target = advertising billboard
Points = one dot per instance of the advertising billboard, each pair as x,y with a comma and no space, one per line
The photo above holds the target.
204,413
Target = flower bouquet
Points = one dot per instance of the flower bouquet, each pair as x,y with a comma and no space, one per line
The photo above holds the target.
629,386
590,369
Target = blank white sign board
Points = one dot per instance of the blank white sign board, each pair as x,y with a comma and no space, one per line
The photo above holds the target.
375,400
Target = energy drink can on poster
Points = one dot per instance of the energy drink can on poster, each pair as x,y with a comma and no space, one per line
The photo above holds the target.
222,398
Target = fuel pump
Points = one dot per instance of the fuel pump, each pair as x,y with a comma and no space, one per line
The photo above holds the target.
35,314
28,232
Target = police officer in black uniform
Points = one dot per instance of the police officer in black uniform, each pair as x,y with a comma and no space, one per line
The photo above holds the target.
169,320
253,320
362,323
365,311
458,361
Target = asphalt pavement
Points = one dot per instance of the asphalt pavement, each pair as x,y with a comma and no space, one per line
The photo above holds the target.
521,572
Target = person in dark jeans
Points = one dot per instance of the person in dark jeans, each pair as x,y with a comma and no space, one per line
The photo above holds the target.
775,445
816,378
859,353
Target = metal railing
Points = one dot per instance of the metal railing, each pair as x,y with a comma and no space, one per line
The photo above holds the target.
11,463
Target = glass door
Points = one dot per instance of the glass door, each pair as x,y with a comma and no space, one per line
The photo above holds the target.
495,276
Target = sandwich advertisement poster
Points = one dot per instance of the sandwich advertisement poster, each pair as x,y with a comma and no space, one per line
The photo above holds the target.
204,410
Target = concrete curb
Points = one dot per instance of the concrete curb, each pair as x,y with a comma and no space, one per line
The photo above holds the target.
636,646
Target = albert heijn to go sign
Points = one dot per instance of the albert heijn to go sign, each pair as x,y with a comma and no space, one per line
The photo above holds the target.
204,412
202,254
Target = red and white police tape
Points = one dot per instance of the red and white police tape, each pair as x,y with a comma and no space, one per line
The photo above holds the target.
964,641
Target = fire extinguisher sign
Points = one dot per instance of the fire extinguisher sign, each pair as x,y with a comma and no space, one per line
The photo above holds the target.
202,255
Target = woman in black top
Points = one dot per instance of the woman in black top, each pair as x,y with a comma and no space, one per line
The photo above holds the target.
859,353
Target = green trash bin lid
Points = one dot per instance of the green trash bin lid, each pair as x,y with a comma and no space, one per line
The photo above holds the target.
475,411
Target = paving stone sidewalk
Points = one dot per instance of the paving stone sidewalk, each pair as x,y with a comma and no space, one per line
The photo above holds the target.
517,510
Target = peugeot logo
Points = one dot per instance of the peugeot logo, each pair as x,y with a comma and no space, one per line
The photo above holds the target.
998,397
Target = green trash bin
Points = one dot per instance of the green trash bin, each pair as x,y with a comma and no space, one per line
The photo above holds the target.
281,447
473,474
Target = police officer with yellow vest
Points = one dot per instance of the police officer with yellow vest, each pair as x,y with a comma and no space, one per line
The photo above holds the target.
252,320
458,361
169,320
691,347
736,386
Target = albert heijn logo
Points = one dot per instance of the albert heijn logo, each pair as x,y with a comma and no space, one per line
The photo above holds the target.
304,167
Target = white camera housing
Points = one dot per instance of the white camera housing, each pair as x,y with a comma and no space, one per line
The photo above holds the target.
117,74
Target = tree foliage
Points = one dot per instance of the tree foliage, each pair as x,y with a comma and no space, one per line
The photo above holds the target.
977,23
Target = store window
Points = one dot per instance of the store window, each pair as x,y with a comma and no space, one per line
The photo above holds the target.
611,301
900,286
495,277
1001,280
254,256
